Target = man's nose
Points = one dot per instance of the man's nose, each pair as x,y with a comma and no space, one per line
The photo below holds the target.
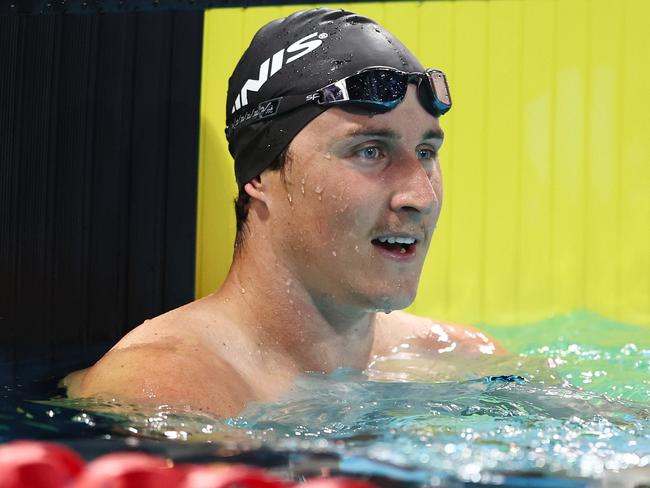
415,188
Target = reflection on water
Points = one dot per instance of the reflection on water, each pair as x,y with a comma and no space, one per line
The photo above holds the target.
573,400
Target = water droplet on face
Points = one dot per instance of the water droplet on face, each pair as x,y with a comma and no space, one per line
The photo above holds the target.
243,290
318,189
290,198
334,253
328,155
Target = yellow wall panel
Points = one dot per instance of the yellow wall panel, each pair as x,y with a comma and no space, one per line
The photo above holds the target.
502,127
464,185
634,157
569,155
602,213
536,139
546,163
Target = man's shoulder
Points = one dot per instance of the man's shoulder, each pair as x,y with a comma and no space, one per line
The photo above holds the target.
160,361
399,331
184,376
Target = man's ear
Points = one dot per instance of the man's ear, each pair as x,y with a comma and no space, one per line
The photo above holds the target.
255,189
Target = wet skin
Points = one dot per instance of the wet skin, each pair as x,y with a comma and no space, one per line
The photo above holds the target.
308,290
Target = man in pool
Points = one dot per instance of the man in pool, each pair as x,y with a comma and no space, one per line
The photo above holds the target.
334,128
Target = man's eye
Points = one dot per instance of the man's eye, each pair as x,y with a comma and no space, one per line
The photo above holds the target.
426,154
371,152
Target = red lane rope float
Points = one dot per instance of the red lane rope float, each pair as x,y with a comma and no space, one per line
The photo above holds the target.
230,476
129,469
38,464
33,464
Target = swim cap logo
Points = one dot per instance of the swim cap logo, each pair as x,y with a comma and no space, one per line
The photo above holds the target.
272,65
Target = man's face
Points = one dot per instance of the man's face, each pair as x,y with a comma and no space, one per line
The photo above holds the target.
354,217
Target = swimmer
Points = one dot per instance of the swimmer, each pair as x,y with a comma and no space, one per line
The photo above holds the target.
334,127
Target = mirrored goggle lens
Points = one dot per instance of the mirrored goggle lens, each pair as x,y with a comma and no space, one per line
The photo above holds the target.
442,99
378,86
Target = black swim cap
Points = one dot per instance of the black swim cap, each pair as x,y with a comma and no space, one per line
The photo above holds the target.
296,55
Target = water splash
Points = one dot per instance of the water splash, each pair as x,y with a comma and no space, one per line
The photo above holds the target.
543,409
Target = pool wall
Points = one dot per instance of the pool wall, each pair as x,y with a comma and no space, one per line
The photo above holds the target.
546,163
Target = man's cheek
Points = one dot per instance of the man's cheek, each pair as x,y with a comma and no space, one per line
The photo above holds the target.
320,227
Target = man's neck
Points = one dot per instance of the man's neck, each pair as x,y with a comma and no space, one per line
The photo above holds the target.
272,307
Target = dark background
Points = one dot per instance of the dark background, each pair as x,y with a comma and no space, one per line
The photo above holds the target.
102,6
99,124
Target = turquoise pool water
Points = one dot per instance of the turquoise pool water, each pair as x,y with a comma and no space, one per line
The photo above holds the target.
572,401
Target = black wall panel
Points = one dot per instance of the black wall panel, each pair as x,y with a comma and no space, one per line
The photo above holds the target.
99,123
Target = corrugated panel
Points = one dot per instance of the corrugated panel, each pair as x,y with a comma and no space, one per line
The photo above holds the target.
546,163
98,163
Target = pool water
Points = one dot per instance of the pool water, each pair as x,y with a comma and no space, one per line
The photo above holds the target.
572,402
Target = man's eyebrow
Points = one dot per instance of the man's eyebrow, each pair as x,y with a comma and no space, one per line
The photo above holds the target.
433,134
389,134
372,132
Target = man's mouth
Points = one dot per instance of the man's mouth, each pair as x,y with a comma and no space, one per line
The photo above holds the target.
396,246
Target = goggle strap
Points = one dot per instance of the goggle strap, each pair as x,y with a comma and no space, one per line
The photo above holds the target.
271,108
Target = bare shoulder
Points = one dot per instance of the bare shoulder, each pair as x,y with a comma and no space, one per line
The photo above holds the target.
181,376
401,330
165,361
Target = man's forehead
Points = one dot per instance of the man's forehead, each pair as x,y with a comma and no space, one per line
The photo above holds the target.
408,120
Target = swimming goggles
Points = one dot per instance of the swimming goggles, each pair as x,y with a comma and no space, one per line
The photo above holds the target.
378,88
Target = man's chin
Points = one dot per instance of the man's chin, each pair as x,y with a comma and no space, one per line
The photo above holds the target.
389,303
